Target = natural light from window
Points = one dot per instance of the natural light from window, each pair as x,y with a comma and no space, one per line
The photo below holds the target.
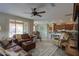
15,27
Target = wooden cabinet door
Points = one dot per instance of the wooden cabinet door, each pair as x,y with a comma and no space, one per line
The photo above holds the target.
69,26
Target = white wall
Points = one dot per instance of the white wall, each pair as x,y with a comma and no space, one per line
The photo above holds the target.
4,23
42,28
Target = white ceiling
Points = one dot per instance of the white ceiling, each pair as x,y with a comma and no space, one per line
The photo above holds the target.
52,13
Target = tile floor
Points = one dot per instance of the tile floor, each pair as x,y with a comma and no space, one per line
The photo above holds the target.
47,48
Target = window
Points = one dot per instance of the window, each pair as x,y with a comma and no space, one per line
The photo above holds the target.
11,29
15,27
19,28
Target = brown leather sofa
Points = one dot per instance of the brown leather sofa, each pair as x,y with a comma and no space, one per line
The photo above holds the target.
25,41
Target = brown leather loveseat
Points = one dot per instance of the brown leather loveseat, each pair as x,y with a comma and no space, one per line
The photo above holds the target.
25,41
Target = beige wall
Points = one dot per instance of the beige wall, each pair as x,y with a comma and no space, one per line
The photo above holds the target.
4,23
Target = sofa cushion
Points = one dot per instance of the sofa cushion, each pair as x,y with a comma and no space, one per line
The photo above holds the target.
3,52
18,37
25,37
4,43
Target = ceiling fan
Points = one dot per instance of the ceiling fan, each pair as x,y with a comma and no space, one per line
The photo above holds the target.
36,13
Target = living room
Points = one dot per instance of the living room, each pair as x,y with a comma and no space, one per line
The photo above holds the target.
38,29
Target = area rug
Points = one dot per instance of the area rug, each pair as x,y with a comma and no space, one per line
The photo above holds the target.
44,48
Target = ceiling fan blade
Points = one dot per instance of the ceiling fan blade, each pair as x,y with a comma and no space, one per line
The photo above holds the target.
39,15
42,12
34,9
